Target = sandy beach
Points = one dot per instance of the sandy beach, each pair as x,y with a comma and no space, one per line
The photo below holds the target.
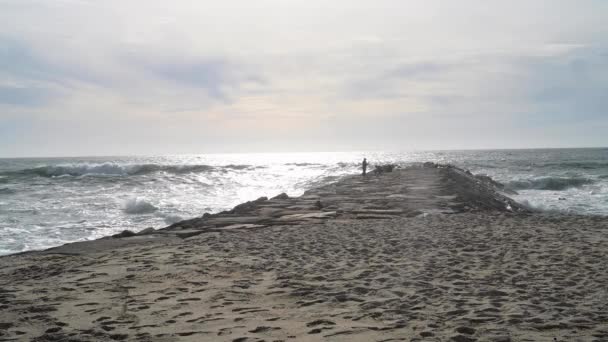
420,254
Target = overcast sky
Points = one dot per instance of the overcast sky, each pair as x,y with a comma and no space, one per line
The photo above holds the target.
80,77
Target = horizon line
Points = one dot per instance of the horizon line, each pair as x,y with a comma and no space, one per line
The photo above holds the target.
305,152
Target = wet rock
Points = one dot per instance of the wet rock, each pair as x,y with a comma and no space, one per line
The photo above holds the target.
146,231
243,226
282,196
123,234
247,206
232,220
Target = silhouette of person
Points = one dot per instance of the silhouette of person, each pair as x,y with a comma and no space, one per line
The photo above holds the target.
364,164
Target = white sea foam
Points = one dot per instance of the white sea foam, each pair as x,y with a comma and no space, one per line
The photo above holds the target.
138,205
47,202
549,183
117,169
171,219
82,169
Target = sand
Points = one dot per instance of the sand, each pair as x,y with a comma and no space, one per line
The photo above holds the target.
479,273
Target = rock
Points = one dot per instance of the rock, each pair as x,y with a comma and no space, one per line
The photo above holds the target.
318,205
375,217
282,196
123,234
186,223
378,211
384,168
318,215
184,234
243,226
231,220
270,212
247,206
146,231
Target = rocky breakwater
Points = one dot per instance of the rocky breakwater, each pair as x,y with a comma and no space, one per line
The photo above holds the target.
429,253
419,190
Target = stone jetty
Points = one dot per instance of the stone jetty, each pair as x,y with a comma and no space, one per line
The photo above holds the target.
428,253
415,191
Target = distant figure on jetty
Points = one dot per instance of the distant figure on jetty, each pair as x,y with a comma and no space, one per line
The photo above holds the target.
364,165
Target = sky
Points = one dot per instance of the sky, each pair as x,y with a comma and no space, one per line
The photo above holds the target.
122,77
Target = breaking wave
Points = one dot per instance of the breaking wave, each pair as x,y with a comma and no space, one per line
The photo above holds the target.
138,205
549,183
303,164
113,169
238,167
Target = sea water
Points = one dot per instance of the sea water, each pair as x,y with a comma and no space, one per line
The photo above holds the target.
48,202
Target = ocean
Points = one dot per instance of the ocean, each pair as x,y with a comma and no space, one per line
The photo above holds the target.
52,201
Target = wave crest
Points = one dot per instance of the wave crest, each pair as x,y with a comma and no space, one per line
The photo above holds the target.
138,205
549,183
108,169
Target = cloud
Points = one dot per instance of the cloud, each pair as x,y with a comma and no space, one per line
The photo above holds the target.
348,73
17,60
23,96
218,78
574,85
401,80
211,76
25,62
418,70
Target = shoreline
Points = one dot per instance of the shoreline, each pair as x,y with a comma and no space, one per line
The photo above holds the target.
476,192
49,203
419,254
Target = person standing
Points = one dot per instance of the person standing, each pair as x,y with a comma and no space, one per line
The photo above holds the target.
364,165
